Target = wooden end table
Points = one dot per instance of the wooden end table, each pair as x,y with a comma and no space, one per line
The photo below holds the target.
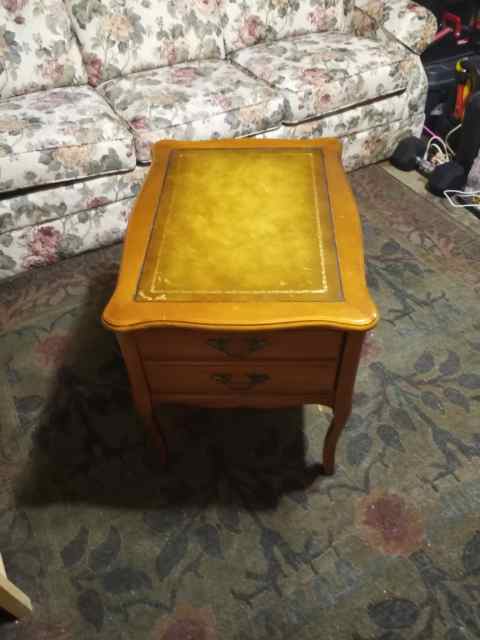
242,280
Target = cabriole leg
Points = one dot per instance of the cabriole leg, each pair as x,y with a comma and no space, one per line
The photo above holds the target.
343,397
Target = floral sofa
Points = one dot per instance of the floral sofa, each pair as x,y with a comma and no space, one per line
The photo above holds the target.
87,85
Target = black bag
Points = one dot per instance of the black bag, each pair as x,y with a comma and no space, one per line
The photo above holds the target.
469,144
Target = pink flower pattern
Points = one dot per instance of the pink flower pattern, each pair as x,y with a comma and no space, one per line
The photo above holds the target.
13,5
139,122
187,623
171,52
53,70
390,523
43,246
316,76
97,201
252,31
93,65
184,74
206,7
51,350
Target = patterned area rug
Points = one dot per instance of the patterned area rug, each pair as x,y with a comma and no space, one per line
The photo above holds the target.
242,539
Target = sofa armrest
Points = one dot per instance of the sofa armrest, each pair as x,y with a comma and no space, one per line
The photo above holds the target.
405,20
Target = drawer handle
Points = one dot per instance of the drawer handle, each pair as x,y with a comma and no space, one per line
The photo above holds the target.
243,383
239,347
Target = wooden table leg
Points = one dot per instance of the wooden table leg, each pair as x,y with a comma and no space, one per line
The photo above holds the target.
11,598
343,397
141,393
157,437
330,444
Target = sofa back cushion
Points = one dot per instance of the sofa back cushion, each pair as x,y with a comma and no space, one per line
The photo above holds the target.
38,49
123,36
249,22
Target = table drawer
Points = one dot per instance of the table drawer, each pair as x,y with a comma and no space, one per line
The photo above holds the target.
185,344
254,378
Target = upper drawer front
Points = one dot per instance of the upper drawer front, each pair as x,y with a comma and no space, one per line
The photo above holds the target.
248,377
290,344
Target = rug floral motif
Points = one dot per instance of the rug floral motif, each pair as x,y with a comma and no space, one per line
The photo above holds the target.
241,538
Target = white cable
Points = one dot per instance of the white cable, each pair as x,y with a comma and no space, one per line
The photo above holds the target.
449,134
452,194
440,157
432,140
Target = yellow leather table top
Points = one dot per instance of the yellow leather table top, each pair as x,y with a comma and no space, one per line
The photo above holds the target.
242,224
243,234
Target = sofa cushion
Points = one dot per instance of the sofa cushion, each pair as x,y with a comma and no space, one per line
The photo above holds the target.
249,22
117,38
59,135
210,99
324,72
38,49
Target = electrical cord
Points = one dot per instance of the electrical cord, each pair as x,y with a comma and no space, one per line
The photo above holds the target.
443,151
448,136
440,157
434,140
460,199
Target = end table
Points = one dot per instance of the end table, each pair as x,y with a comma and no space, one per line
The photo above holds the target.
242,280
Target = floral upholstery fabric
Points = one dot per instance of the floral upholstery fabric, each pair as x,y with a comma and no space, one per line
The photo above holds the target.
359,147
105,223
405,20
251,22
46,243
59,135
210,99
37,47
364,26
348,9
343,123
324,72
118,37
369,92
416,94
367,147
405,107
45,205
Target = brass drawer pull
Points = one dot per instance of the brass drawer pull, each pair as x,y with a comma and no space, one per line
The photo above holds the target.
239,347
243,383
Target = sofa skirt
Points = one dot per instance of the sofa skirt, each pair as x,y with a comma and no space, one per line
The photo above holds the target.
41,227
360,148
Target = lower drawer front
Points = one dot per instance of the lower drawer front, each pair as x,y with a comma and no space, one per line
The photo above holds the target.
249,377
